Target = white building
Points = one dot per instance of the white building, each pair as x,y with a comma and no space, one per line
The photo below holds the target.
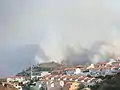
45,73
15,78
78,71
91,66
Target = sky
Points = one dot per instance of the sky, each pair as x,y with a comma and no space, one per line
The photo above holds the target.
55,23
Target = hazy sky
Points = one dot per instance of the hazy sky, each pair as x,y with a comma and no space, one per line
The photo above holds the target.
53,23
28,21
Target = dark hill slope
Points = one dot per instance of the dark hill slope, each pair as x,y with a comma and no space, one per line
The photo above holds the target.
112,83
48,66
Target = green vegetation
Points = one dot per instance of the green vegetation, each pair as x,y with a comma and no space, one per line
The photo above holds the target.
50,66
112,83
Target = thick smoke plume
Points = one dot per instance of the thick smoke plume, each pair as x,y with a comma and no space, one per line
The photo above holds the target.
75,55
40,56
73,28
65,29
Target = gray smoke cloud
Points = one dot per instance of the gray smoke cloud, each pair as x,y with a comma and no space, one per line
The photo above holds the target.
59,26
78,23
40,56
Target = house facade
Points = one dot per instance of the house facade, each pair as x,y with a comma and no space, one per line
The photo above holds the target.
15,79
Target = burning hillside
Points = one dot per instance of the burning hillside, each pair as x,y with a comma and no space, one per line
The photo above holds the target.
73,55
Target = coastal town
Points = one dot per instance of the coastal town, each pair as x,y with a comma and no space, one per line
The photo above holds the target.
59,44
66,78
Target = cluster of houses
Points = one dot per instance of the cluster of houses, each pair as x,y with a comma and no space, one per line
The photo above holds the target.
87,75
14,81
73,77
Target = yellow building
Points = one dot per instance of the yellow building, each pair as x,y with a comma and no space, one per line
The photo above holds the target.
74,86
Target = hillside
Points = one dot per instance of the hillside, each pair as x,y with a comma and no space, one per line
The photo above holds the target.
48,66
19,57
111,83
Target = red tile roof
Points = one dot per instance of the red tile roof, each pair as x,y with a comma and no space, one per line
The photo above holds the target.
102,63
70,69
